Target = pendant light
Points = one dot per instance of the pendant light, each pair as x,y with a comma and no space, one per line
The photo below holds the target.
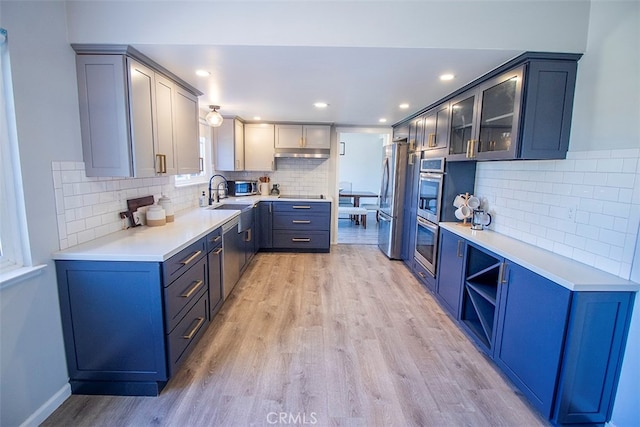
213,117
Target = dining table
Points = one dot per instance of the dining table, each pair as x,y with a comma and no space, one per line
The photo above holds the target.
356,195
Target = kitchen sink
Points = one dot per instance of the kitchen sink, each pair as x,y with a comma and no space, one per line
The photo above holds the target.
232,206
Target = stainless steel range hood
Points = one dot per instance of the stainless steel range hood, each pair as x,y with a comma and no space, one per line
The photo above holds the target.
304,153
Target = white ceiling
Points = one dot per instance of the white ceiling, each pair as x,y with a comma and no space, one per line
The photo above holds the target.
361,85
275,58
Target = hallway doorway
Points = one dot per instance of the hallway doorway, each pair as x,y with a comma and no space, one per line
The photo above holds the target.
359,171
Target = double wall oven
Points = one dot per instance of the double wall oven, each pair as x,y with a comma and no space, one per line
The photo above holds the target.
430,196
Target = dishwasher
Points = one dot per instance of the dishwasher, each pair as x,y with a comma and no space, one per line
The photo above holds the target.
232,255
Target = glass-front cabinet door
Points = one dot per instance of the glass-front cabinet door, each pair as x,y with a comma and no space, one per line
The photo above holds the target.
499,116
484,122
462,129
436,131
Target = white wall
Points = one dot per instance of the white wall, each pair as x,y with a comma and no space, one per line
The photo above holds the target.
600,179
362,162
32,361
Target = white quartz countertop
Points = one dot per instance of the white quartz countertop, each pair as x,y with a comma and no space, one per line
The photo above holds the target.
569,273
154,244
157,244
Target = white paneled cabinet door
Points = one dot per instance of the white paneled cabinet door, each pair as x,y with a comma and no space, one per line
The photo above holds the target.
228,144
106,143
142,111
165,135
259,147
187,144
289,136
239,145
317,136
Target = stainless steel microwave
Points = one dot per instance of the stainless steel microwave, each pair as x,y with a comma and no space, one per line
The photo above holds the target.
242,188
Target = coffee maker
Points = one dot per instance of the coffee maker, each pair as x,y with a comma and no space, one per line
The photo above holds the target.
480,219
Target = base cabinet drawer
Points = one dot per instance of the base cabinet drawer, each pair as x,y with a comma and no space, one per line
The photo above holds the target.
283,239
303,207
180,262
297,222
187,333
183,292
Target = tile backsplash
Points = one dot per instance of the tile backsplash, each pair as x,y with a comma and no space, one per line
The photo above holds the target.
295,176
586,207
89,207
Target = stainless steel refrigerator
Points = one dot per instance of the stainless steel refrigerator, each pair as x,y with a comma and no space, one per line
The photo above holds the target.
392,198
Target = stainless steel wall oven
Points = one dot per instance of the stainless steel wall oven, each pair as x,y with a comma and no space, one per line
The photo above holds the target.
426,252
430,188
430,198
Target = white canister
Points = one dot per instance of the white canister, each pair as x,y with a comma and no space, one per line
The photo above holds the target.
167,205
156,216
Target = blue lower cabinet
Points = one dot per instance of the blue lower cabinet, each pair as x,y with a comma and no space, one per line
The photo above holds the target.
126,328
594,348
301,226
563,349
450,263
113,324
531,329
265,225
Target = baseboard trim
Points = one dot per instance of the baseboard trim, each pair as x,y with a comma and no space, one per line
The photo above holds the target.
48,407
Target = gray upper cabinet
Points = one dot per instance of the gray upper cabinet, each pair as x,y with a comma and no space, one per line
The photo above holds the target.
165,130
259,147
303,136
186,127
137,119
228,143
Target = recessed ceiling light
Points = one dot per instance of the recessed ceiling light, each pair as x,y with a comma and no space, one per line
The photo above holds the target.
383,120
404,106
257,118
321,105
203,73
445,77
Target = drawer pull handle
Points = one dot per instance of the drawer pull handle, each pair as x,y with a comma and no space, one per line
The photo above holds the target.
301,207
217,239
300,239
191,258
190,335
459,252
193,289
421,274
301,221
218,251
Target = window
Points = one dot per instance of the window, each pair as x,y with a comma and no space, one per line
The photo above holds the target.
205,153
15,256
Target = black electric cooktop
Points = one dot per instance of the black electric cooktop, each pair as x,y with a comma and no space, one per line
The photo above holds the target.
303,196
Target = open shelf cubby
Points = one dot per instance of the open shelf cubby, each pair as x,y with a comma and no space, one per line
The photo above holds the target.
480,293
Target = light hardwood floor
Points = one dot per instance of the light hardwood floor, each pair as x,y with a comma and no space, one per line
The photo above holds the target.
350,233
347,338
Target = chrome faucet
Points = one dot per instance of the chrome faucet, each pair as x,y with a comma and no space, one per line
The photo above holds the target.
217,198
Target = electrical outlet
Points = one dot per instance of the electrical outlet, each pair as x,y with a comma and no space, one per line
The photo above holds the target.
571,215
